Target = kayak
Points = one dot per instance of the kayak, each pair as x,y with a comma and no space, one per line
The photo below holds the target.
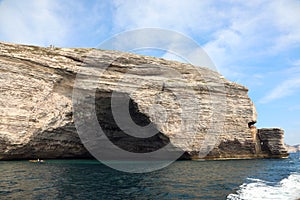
36,161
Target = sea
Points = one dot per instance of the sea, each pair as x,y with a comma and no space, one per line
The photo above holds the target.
89,179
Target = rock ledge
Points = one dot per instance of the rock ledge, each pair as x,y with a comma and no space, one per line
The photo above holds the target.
36,108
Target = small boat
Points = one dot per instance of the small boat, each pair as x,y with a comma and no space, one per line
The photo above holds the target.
37,161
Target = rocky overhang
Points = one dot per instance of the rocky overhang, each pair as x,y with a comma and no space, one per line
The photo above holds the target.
193,108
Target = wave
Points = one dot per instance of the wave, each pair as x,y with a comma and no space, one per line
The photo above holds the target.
286,189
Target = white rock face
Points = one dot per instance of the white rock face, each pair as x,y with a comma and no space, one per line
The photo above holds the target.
193,108
293,149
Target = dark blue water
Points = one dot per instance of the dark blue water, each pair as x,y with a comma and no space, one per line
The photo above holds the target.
88,179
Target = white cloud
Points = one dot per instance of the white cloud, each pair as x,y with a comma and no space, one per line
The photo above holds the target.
57,22
247,35
286,19
32,22
185,16
231,31
286,88
289,87
255,30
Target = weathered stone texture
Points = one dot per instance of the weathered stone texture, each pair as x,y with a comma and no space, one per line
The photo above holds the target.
293,148
271,140
36,108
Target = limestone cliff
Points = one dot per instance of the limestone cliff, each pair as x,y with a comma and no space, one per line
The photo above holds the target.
271,140
37,119
293,148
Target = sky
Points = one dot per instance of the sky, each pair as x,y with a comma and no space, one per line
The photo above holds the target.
254,43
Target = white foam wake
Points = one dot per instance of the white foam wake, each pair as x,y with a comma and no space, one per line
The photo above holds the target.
286,189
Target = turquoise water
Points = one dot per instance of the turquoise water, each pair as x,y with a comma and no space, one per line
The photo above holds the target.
89,179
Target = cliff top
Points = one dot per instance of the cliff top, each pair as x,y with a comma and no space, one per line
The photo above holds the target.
72,58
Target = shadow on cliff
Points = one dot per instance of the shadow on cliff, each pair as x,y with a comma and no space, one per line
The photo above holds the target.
119,137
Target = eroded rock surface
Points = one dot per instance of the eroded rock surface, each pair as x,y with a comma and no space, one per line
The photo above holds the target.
272,143
293,149
193,108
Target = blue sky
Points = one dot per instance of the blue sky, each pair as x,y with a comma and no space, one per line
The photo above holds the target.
255,43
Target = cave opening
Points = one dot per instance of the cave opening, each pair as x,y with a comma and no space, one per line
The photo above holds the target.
251,124
116,135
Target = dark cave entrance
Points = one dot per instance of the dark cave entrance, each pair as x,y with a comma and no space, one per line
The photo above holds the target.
116,135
